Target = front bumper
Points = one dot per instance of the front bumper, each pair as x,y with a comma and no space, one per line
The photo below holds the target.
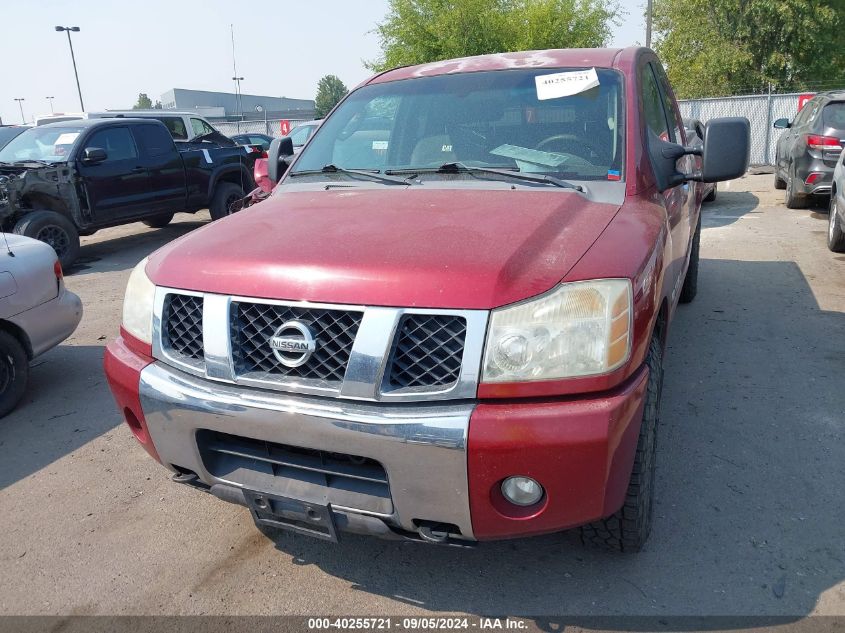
444,461
50,323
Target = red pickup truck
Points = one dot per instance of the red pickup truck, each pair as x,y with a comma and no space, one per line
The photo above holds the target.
448,321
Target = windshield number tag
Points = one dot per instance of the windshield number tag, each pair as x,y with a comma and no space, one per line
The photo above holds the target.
565,84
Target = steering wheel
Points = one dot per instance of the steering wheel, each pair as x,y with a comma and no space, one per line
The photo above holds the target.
570,144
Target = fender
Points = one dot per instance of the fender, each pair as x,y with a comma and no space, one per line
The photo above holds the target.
240,172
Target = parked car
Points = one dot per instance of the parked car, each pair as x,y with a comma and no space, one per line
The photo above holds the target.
69,179
450,328
300,134
809,147
183,126
8,132
252,139
695,138
37,312
836,219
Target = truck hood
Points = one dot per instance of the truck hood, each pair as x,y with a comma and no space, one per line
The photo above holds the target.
442,248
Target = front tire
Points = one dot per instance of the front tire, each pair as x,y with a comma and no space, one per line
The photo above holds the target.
627,530
835,233
690,288
159,221
14,372
224,195
710,197
779,182
54,229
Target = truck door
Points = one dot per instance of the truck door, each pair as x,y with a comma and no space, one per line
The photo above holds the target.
117,188
164,166
662,120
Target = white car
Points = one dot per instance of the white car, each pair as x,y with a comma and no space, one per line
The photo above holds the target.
37,312
183,126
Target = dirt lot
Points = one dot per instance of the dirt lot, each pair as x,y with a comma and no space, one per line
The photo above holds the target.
750,475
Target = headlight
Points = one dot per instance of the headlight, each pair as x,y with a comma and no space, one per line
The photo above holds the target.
578,329
138,304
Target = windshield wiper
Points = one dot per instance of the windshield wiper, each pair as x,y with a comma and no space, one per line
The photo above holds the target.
458,167
373,175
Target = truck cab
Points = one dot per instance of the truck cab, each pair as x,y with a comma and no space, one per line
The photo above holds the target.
63,180
447,323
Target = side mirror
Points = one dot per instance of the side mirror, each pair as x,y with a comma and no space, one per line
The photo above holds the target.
781,124
727,149
94,155
281,149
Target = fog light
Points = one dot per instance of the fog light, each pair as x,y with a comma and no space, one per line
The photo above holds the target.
522,491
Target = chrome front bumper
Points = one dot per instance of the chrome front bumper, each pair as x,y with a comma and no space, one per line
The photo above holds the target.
422,447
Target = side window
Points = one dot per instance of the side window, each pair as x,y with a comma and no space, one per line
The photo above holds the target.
200,127
668,103
176,126
655,117
117,141
154,140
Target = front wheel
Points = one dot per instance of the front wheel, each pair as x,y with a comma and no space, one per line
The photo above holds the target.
53,229
225,194
627,530
835,234
14,371
159,221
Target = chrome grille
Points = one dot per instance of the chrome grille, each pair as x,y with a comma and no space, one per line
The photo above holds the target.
427,352
253,324
182,326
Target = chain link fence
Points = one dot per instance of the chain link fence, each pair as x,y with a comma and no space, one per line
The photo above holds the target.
271,127
760,110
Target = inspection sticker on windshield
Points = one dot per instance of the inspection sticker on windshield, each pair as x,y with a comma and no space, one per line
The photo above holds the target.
565,84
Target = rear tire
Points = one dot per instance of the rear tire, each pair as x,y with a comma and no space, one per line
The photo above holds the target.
690,288
224,195
791,198
159,221
54,229
627,530
835,233
779,182
14,372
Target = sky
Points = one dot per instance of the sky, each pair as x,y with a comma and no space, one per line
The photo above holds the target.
282,48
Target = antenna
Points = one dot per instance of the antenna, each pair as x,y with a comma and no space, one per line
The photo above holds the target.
6,241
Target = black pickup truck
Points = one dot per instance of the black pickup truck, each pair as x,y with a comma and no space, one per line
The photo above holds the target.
63,180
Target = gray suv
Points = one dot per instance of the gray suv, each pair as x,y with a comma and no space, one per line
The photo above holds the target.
807,151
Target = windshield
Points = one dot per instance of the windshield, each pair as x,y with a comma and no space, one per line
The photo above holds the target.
52,144
502,119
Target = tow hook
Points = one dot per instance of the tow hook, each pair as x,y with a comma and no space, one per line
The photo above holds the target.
433,535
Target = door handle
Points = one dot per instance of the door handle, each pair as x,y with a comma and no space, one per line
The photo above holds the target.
138,170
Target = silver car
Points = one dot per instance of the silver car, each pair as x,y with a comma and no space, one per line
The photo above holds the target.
836,219
37,312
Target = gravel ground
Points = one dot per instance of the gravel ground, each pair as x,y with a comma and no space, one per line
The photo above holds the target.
749,514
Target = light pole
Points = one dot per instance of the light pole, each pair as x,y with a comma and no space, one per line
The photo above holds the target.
50,99
75,29
238,81
20,105
648,12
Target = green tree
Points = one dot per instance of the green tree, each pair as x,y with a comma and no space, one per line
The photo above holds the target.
419,31
330,90
719,47
143,103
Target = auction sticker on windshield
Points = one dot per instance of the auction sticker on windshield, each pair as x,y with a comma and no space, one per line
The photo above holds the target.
67,138
565,84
